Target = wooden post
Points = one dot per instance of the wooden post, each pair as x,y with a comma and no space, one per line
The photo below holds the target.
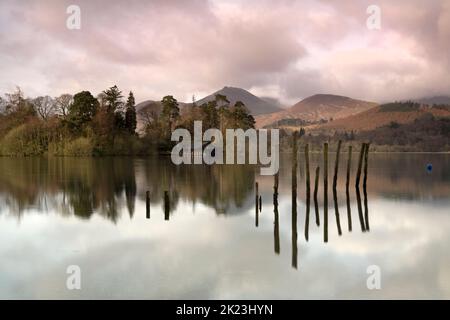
335,177
360,214
325,192
358,173
294,160
276,226
166,205
308,191
294,200
347,191
366,209
366,160
256,205
316,189
349,164
294,229
147,204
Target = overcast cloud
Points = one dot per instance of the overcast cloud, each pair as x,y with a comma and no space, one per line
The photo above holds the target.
282,49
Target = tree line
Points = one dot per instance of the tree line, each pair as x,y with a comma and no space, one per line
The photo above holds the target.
84,125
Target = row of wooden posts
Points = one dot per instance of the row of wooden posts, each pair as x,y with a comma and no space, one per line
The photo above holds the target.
361,169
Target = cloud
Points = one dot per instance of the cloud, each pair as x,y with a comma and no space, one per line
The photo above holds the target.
295,48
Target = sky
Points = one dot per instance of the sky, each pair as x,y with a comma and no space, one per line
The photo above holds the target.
285,49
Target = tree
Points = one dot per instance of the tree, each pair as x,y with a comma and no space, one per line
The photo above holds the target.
223,104
130,114
16,101
170,112
3,104
62,104
44,106
113,99
210,116
82,109
241,118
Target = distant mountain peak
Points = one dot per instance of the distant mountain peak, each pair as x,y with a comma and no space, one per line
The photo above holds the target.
254,104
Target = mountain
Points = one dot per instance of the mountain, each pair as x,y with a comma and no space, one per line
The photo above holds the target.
384,115
319,107
255,105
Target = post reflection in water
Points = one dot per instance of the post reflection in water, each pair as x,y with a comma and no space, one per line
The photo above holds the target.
84,187
276,224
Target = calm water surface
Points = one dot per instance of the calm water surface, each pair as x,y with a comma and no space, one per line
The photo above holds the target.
58,212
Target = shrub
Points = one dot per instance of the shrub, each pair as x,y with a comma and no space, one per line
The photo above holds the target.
80,147
25,140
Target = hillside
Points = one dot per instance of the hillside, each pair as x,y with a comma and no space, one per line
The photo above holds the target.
316,108
382,116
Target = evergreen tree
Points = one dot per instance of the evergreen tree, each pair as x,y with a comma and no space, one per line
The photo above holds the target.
82,109
113,99
130,114
169,113
241,118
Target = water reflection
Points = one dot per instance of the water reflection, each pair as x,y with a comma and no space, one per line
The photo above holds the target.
53,205
83,187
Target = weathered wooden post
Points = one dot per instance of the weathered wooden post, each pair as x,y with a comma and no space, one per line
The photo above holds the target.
166,205
366,208
358,173
256,205
325,192
294,160
366,160
308,191
294,200
360,214
276,226
294,230
358,194
335,177
275,188
347,191
147,204
316,189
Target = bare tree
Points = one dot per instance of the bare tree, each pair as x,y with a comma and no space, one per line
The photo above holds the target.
62,104
15,100
3,105
44,106
148,116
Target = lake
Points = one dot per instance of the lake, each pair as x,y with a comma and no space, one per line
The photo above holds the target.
203,243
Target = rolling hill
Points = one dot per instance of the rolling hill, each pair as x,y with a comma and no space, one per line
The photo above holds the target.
383,115
316,108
